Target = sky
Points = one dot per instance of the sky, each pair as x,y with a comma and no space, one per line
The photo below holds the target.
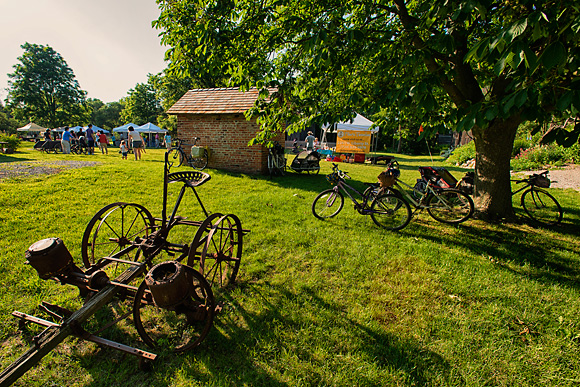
109,44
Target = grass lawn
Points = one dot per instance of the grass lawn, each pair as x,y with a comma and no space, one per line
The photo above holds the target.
318,303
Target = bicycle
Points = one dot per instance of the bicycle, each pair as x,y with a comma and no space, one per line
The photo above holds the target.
446,205
537,203
198,157
276,160
386,210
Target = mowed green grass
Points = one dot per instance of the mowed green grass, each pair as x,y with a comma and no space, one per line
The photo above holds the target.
317,303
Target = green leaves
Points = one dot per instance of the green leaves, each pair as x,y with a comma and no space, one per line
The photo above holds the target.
554,54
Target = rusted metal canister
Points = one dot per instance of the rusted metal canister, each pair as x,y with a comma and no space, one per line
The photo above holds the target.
49,257
169,284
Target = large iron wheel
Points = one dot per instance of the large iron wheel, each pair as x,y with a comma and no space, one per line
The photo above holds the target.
200,239
112,229
180,327
222,252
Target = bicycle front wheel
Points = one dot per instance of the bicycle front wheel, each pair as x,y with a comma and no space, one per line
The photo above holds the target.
175,158
327,204
542,207
450,206
200,162
390,212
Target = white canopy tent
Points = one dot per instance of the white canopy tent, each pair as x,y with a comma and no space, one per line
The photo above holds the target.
31,127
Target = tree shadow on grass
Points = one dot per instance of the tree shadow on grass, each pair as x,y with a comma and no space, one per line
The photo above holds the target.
509,246
311,338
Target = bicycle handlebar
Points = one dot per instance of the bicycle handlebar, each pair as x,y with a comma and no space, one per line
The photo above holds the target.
340,173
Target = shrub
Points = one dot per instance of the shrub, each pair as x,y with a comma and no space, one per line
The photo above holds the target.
520,144
538,157
462,154
12,140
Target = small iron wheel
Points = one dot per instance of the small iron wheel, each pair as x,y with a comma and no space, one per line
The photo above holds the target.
220,259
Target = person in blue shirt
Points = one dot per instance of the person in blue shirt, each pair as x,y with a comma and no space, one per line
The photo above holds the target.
65,141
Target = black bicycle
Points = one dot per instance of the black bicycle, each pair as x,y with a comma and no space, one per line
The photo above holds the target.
537,203
197,158
386,210
276,160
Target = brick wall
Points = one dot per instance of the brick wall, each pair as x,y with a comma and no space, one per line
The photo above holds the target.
227,136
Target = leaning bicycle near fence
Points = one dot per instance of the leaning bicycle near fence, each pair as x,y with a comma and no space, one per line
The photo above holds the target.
537,203
446,205
385,209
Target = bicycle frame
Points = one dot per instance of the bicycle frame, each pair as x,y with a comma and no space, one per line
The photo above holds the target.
362,206
418,204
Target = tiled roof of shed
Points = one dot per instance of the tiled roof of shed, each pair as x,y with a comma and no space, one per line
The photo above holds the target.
214,101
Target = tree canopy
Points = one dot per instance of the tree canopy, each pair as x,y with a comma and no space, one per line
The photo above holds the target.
484,66
43,89
141,105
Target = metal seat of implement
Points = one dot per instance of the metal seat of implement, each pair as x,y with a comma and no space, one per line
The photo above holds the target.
191,178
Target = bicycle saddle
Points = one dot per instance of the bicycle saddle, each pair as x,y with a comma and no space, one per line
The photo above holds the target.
191,178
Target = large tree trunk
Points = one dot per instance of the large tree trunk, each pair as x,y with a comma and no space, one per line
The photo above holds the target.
493,200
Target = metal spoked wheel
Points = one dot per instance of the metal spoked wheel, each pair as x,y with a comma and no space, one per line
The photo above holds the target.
450,206
113,228
391,212
177,328
200,162
200,239
222,253
542,207
175,158
327,204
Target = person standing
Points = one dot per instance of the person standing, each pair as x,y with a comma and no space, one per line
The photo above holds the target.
47,135
65,142
123,149
90,136
103,142
156,140
310,141
167,140
136,143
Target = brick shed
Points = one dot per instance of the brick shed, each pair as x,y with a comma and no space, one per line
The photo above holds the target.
216,116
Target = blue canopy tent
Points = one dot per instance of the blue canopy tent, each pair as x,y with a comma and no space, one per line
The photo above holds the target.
124,128
151,130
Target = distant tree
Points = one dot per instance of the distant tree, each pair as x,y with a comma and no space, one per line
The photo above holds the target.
106,116
7,123
141,105
43,89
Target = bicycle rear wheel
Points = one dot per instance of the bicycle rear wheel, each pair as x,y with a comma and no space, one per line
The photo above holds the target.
200,162
390,212
280,164
175,157
542,207
327,204
450,206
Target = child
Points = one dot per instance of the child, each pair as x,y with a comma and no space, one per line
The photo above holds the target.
123,150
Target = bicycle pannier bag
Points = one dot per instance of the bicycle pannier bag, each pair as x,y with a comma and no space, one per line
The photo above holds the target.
196,151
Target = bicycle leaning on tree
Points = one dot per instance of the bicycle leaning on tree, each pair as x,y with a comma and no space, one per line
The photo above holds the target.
446,205
197,158
537,203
